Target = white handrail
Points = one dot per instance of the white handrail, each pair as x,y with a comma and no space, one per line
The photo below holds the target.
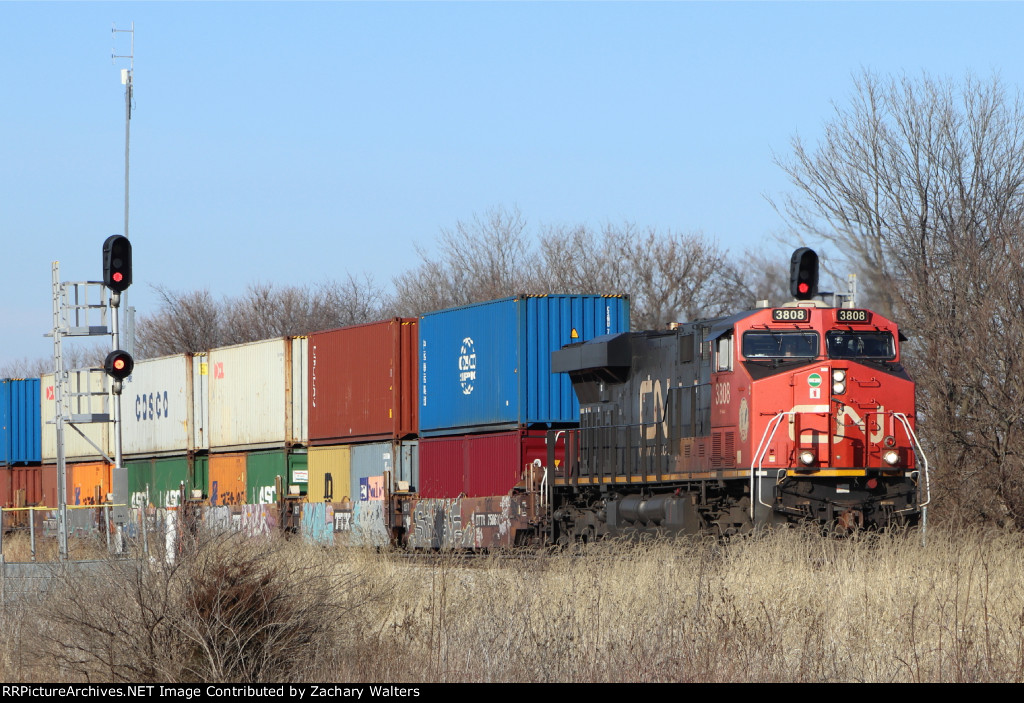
762,449
920,452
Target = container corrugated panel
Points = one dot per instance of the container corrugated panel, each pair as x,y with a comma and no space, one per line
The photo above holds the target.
487,366
227,479
329,473
76,448
200,402
263,468
300,391
478,465
157,407
27,485
199,476
88,483
298,470
20,440
258,395
442,467
362,382
371,461
161,477
140,476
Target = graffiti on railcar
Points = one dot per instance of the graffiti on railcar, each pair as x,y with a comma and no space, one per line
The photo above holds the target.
437,524
315,525
368,524
258,520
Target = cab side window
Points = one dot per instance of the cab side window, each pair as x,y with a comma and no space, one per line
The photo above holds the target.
723,353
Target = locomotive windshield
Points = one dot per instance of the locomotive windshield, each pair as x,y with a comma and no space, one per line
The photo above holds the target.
860,345
780,345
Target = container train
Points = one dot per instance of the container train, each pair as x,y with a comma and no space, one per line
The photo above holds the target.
532,420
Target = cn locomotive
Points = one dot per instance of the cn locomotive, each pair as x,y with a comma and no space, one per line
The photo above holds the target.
772,415
775,415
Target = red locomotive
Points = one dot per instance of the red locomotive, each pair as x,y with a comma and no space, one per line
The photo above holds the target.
798,412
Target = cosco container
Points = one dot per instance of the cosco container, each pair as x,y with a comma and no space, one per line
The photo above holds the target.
480,464
487,366
88,396
19,422
161,407
362,382
258,395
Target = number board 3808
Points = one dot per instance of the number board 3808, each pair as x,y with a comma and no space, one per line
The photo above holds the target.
791,315
852,315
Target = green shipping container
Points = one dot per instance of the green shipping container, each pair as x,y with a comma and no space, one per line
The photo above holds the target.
263,468
162,477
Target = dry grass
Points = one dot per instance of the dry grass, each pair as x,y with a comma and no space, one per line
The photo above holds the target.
789,606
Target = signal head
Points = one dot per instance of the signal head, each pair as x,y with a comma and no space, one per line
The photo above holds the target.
117,263
119,365
803,274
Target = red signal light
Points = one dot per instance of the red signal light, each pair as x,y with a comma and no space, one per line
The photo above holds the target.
119,364
118,277
803,288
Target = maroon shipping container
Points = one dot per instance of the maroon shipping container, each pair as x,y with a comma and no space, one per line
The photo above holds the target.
39,484
362,383
479,465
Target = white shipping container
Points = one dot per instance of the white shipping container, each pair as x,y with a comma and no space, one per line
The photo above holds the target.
258,394
100,434
158,408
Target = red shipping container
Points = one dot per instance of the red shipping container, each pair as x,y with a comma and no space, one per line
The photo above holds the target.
39,484
479,465
362,382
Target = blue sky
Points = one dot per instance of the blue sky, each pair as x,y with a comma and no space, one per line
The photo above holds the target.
295,142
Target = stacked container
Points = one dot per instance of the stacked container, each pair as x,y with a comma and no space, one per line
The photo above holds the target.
363,394
487,394
257,425
23,481
258,395
163,413
19,422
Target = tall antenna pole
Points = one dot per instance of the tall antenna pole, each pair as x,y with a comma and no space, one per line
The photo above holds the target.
126,80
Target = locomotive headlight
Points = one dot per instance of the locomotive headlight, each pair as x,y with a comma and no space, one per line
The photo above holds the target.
807,457
891,457
838,381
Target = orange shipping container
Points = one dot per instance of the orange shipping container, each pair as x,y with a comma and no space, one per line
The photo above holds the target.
89,483
227,479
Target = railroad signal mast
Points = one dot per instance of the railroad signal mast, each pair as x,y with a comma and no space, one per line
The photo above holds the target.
83,309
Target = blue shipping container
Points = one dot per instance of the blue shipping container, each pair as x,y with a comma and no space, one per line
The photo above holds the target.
20,438
369,462
487,366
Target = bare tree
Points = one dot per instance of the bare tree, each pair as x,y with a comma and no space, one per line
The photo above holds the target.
265,310
488,257
920,182
76,356
670,276
186,322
